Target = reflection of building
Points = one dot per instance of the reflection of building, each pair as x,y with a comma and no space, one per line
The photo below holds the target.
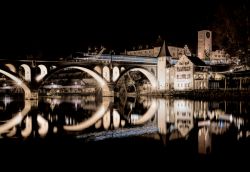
183,111
200,109
204,140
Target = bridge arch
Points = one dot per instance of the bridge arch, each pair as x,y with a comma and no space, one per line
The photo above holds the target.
106,73
147,115
17,119
102,83
27,72
152,79
11,67
101,111
43,72
116,73
27,92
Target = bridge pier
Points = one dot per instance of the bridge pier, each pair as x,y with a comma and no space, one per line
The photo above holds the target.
108,92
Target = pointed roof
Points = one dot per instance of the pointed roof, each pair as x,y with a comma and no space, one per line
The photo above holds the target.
164,51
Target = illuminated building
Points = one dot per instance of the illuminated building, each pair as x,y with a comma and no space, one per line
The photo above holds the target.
190,73
218,57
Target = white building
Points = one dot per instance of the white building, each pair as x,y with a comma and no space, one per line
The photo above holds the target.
177,52
218,57
152,52
190,73
174,52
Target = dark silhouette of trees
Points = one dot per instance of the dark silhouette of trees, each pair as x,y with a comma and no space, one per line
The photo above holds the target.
231,28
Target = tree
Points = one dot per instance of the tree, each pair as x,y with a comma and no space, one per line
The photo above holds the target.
230,27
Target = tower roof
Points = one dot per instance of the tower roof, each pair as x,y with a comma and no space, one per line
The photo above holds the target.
164,51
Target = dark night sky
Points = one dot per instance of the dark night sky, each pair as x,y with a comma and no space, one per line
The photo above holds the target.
60,29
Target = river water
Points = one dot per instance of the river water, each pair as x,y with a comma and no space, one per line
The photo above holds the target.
207,127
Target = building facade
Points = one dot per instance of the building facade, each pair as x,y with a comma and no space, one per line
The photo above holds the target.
218,57
190,73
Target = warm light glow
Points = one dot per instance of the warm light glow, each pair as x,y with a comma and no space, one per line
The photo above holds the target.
43,73
19,82
106,120
27,72
28,127
11,67
116,119
43,125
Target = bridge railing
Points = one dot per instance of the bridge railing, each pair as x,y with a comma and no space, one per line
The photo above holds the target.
120,58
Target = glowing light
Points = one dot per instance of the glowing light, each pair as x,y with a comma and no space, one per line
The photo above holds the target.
19,82
27,72
43,125
116,119
28,127
43,73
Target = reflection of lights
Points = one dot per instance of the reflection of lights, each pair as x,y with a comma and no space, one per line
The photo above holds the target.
116,119
134,117
123,122
17,119
28,127
98,124
12,132
55,129
6,100
43,125
92,120
106,120
148,115
231,118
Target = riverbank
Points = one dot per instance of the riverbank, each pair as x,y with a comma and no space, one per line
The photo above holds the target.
204,94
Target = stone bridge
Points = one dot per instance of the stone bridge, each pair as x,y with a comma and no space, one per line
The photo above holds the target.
30,75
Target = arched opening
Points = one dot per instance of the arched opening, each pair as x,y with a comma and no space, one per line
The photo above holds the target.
148,115
101,111
27,72
17,119
11,67
98,69
43,72
136,81
76,82
116,73
106,73
19,82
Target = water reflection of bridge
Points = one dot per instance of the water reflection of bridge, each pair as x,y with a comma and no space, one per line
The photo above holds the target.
161,119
